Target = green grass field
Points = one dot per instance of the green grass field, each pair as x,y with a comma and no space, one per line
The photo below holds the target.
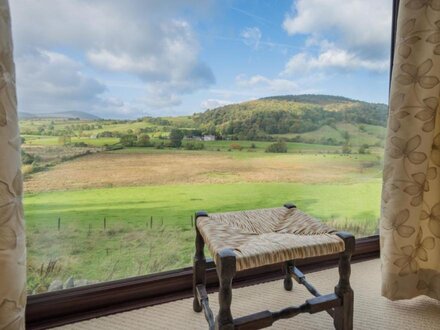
128,246
341,189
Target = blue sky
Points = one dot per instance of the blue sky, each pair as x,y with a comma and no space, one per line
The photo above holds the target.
126,59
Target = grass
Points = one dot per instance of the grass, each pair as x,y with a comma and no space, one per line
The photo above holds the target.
137,204
128,246
127,187
148,166
41,140
369,134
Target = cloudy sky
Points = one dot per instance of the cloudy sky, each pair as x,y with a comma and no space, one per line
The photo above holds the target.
126,59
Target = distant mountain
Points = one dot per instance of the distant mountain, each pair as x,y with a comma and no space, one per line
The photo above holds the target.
63,115
289,114
26,115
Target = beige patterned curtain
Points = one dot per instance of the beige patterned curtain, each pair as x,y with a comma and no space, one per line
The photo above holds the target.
410,222
12,239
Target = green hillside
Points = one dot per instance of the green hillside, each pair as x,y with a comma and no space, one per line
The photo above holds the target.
291,114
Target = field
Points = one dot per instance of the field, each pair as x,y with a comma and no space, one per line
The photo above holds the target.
98,210
148,196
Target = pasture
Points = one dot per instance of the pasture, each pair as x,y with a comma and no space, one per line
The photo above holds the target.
130,187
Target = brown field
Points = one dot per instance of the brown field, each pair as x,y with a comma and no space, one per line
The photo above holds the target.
113,170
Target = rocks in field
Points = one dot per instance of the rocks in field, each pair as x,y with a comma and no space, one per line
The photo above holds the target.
55,285
70,283
81,283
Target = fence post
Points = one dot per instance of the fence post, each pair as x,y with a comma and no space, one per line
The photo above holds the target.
161,220
105,223
59,223
192,221
151,222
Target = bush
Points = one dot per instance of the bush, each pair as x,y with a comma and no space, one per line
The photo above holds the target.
235,146
143,140
159,145
364,149
176,136
277,147
28,158
194,145
80,144
114,147
346,149
128,140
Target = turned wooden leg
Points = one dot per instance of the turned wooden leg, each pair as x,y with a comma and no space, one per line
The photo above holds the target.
226,272
343,317
199,266
288,283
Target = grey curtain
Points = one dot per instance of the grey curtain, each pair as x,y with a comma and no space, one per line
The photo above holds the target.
12,237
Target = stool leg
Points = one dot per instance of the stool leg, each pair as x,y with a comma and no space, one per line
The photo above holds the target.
226,271
288,283
199,276
343,317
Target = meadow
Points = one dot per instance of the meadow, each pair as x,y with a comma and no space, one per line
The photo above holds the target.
97,211
148,196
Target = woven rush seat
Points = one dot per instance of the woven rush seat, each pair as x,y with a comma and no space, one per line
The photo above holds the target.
249,239
268,236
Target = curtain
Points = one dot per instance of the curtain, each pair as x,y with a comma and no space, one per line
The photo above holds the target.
410,213
12,239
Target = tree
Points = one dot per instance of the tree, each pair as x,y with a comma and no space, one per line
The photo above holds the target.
277,147
143,140
346,149
176,137
128,140
364,149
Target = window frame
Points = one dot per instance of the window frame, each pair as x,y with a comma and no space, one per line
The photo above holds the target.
71,305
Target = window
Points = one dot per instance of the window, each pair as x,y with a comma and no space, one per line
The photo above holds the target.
134,115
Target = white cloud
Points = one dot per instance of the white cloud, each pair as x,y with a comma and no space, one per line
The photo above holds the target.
261,84
251,36
51,81
136,37
358,25
332,58
213,103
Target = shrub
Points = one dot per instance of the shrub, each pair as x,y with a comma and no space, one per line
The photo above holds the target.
159,145
364,149
114,147
143,140
176,136
128,140
194,145
235,146
346,149
28,158
277,147
80,144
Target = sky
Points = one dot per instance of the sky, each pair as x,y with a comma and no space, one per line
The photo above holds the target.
134,58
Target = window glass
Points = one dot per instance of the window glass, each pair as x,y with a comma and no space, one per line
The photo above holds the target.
135,114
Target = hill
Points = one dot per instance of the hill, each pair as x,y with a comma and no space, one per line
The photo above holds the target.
62,115
289,114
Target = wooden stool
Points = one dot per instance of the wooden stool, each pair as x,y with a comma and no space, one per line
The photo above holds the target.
250,239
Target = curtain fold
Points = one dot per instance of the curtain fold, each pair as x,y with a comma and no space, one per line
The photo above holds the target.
12,237
410,214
